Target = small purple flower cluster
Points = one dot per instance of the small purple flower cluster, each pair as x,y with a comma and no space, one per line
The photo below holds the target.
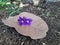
24,21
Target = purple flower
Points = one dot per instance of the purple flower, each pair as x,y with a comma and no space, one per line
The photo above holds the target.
24,21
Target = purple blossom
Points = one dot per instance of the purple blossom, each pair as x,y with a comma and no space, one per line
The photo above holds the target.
24,21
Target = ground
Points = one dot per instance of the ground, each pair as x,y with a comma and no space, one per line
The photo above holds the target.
50,12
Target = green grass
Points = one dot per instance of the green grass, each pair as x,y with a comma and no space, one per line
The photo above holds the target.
8,7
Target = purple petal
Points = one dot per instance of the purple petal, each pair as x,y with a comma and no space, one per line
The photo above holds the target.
20,22
24,21
28,21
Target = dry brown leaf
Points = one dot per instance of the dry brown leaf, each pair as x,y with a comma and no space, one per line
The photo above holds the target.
37,30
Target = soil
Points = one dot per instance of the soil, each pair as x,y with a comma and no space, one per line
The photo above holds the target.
50,12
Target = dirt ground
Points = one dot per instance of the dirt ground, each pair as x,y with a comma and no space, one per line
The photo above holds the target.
50,12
